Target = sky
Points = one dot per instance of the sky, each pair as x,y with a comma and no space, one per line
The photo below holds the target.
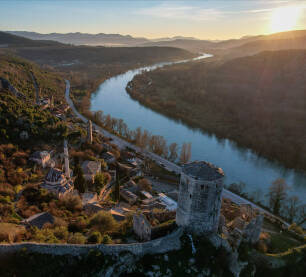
154,19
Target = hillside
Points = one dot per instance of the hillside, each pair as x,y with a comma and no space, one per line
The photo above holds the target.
76,55
257,101
8,40
18,72
232,48
264,44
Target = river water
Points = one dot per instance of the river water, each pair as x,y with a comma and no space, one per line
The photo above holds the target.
239,164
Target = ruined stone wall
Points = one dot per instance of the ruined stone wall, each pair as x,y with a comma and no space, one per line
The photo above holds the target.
199,204
158,246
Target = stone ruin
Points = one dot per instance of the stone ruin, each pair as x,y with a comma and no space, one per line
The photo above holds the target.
240,223
199,200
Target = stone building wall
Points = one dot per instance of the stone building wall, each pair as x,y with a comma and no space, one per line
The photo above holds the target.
142,227
199,204
157,246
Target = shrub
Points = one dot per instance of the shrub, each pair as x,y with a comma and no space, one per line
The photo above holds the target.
44,235
7,190
95,237
76,238
101,180
9,232
298,229
103,222
78,225
106,239
72,203
145,184
61,233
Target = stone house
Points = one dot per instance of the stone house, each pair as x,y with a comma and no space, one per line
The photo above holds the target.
142,227
108,157
41,157
57,183
89,197
91,169
92,208
117,215
39,220
128,196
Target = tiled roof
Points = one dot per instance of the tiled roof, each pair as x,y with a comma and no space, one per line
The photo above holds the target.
54,175
40,219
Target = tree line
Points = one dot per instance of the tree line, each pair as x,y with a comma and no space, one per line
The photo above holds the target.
142,138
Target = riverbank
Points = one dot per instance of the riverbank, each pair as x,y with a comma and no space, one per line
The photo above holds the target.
257,116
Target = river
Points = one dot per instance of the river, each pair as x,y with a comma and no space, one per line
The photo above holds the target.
239,164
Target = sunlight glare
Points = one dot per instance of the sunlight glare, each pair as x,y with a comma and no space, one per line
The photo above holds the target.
285,18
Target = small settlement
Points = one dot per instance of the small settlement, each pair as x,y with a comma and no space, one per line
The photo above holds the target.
97,192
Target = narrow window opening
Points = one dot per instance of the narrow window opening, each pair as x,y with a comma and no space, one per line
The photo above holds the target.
190,196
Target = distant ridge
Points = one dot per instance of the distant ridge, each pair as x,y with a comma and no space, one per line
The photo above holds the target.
10,40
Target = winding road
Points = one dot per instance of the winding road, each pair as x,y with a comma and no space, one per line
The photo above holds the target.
122,144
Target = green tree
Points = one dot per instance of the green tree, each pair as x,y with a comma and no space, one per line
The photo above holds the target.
79,182
99,182
103,222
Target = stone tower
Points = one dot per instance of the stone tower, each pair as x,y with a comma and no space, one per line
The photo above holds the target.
66,156
89,132
199,200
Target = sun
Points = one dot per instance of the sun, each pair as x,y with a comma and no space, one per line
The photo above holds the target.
285,18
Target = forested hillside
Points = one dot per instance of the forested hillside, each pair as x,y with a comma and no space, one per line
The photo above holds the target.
20,73
18,114
257,101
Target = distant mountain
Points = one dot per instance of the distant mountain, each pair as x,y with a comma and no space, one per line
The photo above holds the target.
173,38
273,42
84,39
9,40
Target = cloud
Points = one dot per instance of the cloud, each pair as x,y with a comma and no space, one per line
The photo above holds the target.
197,13
193,13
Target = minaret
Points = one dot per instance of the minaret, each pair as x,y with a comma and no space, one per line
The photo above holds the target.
66,156
89,132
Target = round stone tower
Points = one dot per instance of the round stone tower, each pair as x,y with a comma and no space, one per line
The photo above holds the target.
199,200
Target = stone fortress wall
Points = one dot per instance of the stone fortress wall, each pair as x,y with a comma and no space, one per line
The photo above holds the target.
199,200
157,246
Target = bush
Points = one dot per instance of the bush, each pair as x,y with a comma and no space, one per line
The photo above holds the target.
72,203
76,238
95,237
61,233
45,235
78,225
106,239
298,229
145,184
103,222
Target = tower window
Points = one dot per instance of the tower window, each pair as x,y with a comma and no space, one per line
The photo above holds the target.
202,186
190,196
